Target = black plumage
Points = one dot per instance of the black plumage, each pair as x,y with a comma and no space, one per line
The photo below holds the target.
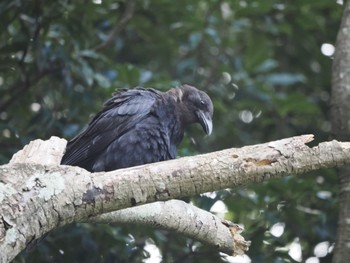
139,126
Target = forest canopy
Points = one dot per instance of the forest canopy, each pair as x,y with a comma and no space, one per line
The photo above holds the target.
265,64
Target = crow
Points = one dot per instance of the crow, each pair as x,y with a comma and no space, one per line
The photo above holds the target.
139,126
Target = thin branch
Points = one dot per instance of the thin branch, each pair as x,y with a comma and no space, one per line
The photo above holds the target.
122,22
20,87
23,86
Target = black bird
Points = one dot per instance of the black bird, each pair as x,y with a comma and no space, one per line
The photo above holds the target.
139,126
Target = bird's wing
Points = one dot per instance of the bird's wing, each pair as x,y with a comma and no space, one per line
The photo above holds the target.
120,114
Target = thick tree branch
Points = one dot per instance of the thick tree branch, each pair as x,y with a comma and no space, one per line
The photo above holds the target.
340,112
185,219
173,215
58,195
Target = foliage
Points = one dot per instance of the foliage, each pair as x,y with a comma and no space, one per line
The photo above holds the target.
261,63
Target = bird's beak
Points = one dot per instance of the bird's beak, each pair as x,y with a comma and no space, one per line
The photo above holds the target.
205,121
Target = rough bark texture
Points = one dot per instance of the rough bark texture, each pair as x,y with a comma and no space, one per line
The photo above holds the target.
340,113
183,218
35,199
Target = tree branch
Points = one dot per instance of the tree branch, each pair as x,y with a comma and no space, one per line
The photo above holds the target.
49,193
340,115
122,22
182,218
21,87
185,218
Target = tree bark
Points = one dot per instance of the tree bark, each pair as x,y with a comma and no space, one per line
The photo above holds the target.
185,219
35,198
340,113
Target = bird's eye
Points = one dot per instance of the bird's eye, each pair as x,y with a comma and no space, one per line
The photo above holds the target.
202,102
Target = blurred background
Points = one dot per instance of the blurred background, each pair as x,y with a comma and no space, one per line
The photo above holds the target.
265,64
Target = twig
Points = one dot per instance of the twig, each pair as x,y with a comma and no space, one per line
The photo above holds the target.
123,20
21,87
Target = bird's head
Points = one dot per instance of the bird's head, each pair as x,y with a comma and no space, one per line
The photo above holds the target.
196,107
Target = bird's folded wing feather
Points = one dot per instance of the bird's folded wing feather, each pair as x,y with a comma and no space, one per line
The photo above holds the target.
120,113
